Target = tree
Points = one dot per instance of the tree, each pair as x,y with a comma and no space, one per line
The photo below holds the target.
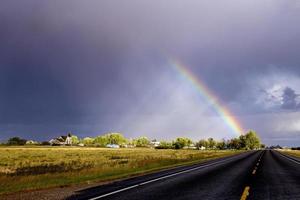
211,143
234,143
242,140
142,142
16,141
87,141
250,141
221,145
101,141
109,138
45,143
116,138
74,139
202,143
165,145
182,142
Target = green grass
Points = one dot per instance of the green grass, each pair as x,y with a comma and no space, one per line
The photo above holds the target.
30,168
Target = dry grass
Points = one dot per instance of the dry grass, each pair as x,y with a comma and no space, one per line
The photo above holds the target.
293,153
40,167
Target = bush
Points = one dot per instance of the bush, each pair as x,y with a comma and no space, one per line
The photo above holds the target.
182,142
75,139
142,142
45,143
16,141
87,141
165,145
295,148
101,141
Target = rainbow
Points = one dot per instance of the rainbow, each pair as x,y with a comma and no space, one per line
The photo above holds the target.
209,96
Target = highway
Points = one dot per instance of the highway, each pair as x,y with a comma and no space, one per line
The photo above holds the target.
255,175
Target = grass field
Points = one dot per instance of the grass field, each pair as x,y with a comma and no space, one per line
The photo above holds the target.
293,153
43,167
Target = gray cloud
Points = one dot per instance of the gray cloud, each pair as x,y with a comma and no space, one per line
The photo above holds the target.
289,99
98,64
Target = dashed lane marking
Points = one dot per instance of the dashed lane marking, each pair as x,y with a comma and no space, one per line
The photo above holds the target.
247,188
245,193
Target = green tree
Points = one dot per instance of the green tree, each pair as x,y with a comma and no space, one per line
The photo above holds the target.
181,142
102,140
142,142
243,143
221,145
211,143
165,145
16,141
75,139
116,138
87,141
202,143
252,140
234,143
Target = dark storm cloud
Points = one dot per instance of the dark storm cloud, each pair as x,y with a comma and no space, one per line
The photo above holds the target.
87,64
289,99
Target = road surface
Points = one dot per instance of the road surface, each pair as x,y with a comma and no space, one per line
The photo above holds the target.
253,175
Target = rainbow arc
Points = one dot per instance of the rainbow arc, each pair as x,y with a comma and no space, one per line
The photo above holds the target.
209,96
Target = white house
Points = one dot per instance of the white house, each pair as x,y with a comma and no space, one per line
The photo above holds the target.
62,140
114,146
31,142
202,148
68,140
155,143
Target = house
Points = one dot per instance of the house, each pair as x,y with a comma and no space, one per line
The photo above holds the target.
114,146
202,148
62,140
57,141
191,146
31,142
68,140
154,143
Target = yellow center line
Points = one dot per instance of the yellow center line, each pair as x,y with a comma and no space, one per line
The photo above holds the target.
245,193
247,188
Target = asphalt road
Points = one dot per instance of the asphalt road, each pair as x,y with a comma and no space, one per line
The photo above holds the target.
252,175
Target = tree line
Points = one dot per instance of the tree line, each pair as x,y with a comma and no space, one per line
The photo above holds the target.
247,141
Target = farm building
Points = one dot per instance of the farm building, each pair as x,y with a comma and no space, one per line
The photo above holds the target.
62,140
114,146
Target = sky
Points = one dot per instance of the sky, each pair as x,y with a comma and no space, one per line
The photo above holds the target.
92,67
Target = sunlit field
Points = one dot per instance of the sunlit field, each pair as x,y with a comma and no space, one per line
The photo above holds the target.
293,153
23,168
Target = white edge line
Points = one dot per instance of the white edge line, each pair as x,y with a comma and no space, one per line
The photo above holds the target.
114,192
161,178
287,157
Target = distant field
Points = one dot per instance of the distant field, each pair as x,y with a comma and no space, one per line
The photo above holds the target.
43,167
293,153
